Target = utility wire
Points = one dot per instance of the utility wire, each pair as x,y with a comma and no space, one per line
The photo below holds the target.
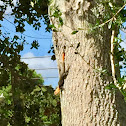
9,21
35,57
27,35
23,33
45,78
50,77
44,68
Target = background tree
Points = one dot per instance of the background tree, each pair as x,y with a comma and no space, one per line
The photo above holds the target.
27,101
24,100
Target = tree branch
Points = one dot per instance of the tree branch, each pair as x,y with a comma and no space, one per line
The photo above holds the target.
112,17
112,59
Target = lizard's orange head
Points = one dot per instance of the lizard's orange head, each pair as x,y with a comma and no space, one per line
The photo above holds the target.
63,56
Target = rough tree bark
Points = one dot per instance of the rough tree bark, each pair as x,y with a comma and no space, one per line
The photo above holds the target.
84,100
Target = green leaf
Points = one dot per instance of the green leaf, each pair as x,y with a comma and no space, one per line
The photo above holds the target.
54,103
44,89
111,86
55,30
16,37
47,122
37,89
27,119
108,87
49,51
125,99
35,44
61,21
74,32
9,102
52,26
53,58
44,118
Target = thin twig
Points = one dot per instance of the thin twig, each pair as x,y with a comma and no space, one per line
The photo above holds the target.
123,30
101,25
112,17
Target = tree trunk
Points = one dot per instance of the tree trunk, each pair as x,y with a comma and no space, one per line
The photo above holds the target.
18,117
84,99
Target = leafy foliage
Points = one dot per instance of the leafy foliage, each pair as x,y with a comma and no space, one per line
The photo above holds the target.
38,106
24,100
52,50
35,44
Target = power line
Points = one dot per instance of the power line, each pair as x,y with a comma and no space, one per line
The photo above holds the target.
27,35
45,68
23,33
34,37
45,78
9,21
35,57
50,77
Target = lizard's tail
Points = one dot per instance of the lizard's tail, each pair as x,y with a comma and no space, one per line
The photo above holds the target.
57,91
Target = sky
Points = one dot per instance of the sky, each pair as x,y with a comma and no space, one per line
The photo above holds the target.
35,58
123,44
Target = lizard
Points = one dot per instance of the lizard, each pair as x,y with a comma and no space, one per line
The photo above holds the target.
62,77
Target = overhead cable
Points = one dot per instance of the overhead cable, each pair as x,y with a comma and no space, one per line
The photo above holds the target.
35,57
25,34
